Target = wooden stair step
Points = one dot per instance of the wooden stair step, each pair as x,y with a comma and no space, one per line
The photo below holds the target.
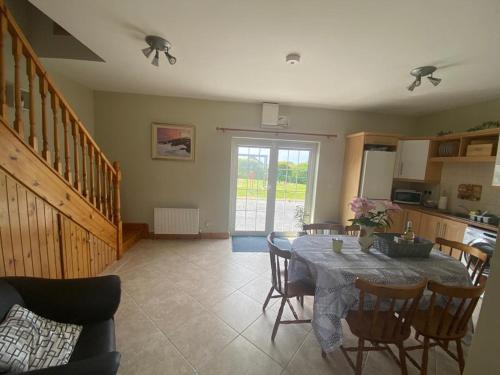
133,233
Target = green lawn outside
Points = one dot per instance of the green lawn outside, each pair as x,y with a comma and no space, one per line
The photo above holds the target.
255,189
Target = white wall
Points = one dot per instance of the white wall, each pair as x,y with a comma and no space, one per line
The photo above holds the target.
459,119
123,129
454,174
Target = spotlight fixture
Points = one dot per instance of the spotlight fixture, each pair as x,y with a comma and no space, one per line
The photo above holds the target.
423,71
158,44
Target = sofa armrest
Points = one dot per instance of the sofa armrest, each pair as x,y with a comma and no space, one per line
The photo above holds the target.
76,301
104,364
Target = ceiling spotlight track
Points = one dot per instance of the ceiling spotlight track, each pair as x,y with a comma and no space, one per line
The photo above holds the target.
423,71
158,44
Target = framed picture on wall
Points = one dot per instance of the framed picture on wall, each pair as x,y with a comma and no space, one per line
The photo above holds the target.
174,142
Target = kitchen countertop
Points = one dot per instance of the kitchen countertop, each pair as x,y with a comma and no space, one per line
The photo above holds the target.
447,215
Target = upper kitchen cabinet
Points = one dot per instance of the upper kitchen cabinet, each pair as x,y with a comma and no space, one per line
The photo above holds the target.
479,146
475,146
412,161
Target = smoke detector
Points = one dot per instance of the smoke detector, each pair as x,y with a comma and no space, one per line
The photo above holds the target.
293,58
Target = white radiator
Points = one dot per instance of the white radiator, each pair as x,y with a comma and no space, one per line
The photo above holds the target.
177,221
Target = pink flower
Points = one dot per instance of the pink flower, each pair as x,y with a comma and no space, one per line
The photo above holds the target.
361,206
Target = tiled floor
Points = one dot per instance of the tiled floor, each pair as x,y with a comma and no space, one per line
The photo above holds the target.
194,307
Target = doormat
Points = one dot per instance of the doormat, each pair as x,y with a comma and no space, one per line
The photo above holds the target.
257,244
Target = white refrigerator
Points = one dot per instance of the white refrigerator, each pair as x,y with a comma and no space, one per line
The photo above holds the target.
377,174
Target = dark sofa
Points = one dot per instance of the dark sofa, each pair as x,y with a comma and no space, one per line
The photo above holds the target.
90,302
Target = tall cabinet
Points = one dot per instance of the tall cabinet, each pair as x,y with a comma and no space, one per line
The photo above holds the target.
353,164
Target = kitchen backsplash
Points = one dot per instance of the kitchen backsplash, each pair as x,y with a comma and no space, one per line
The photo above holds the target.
454,174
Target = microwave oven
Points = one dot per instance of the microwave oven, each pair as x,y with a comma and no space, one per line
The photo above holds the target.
407,196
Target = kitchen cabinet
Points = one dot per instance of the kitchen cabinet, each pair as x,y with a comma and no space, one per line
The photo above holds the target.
400,218
430,226
397,222
434,226
412,161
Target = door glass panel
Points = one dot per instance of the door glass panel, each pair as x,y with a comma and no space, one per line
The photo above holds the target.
291,189
252,188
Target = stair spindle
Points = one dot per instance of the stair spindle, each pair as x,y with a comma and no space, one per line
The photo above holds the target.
91,174
76,159
18,119
67,158
57,155
45,135
31,72
104,207
110,194
84,163
98,179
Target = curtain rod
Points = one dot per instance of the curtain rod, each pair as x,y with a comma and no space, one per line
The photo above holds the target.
275,132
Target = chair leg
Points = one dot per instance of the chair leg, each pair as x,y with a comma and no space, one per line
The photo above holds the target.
268,298
359,357
460,353
425,357
302,301
402,359
293,310
278,318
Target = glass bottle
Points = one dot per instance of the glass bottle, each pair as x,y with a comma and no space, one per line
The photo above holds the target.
408,234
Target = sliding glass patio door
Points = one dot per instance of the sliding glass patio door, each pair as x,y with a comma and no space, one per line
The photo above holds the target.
272,185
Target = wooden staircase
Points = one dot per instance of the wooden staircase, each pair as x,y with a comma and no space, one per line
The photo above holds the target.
59,194
132,233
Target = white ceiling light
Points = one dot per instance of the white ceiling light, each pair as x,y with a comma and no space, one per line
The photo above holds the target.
293,58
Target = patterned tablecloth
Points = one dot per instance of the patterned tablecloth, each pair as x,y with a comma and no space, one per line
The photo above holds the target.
334,275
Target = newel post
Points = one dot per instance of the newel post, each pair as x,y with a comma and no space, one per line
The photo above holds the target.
117,218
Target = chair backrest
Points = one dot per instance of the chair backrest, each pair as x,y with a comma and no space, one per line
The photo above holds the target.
352,230
323,228
476,260
279,264
392,303
457,302
9,297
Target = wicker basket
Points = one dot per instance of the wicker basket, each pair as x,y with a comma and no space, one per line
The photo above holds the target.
384,242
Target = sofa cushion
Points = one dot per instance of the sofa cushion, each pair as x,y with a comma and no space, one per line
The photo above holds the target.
29,341
95,339
8,298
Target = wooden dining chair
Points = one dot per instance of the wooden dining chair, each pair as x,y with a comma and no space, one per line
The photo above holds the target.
445,320
323,228
475,259
352,230
383,317
282,286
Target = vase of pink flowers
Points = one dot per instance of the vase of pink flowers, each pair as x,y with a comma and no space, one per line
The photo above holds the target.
370,215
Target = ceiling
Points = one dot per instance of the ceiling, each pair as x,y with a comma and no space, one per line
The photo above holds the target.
356,55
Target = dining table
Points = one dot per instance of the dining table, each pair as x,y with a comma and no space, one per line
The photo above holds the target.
334,274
